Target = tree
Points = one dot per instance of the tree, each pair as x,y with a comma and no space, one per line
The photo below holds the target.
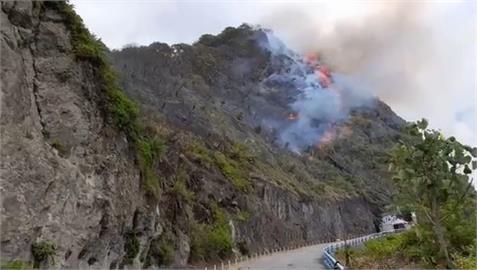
432,176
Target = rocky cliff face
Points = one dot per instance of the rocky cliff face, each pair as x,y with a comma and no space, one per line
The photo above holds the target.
76,193
68,176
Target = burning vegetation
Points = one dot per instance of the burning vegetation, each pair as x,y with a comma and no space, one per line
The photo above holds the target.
322,99
293,116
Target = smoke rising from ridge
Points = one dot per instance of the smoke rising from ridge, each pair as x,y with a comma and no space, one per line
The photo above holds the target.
410,55
321,99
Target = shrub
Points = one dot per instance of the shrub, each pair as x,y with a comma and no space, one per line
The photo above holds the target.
211,241
393,251
162,249
150,149
15,265
200,154
85,45
131,247
58,145
151,182
207,39
383,247
231,167
465,262
166,253
42,252
226,35
243,248
240,153
243,215
123,110
180,189
319,188
220,241
231,170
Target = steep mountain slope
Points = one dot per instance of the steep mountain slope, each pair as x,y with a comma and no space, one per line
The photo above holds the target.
219,102
204,174
231,88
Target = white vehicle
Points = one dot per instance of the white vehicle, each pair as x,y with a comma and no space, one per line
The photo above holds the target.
392,223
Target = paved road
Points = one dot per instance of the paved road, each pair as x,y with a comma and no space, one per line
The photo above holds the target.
303,258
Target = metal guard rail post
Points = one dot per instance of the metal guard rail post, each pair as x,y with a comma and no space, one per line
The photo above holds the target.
328,255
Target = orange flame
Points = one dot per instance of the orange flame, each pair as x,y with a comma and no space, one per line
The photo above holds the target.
323,73
327,137
325,70
293,116
345,131
332,134
312,58
325,80
325,140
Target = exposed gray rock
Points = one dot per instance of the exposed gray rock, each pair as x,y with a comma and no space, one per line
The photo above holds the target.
182,251
81,195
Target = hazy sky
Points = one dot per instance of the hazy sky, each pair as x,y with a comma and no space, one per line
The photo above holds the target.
420,57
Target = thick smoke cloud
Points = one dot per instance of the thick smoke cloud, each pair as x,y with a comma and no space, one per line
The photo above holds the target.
321,99
414,56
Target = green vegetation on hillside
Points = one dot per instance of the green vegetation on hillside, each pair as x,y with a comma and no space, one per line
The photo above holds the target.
162,249
211,241
131,247
123,111
42,251
232,163
15,265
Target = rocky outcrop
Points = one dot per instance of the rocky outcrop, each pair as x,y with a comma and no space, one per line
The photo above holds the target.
290,220
73,194
68,176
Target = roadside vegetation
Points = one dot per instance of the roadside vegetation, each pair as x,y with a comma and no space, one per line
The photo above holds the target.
389,252
211,241
432,175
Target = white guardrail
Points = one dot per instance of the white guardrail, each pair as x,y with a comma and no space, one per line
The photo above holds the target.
328,255
235,264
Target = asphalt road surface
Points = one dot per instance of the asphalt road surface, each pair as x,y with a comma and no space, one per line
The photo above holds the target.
303,258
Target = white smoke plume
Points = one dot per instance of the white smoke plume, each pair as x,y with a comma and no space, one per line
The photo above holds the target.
415,56
321,98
